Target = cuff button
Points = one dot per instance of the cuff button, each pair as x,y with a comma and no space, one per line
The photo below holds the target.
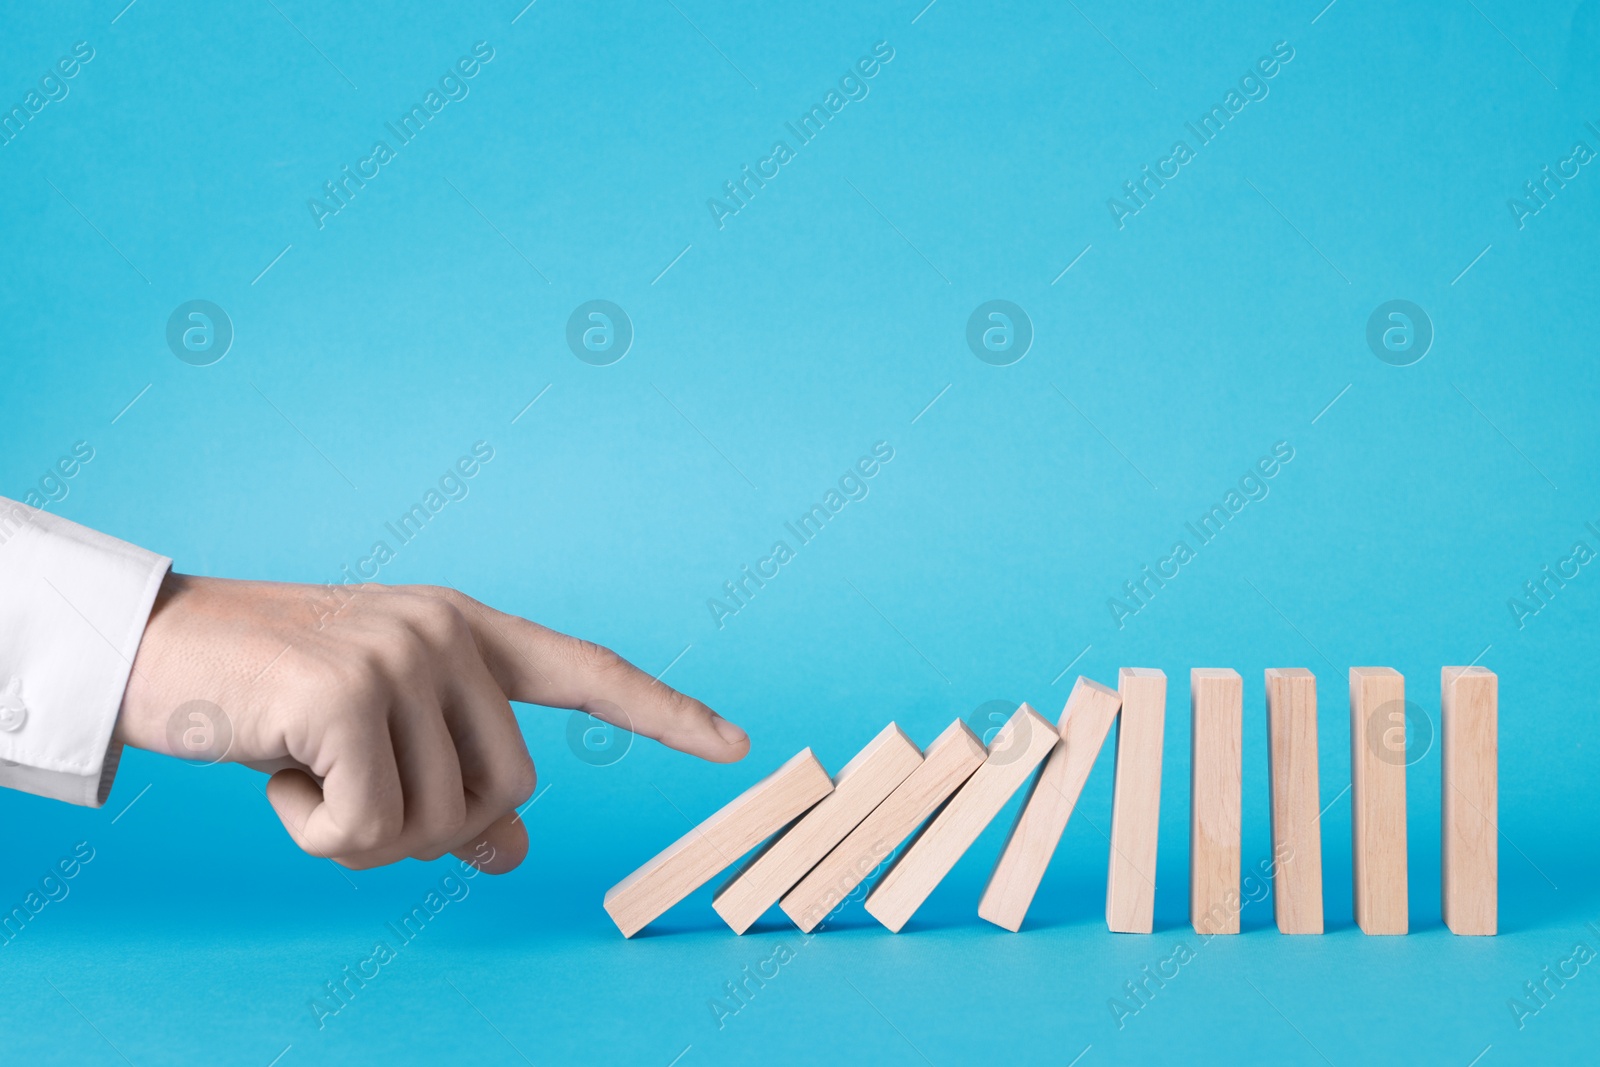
13,712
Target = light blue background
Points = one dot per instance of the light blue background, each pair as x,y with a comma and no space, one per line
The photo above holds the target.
822,318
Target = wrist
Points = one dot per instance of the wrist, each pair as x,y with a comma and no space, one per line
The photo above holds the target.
140,719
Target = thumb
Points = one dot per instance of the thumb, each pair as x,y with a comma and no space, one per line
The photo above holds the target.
536,665
501,847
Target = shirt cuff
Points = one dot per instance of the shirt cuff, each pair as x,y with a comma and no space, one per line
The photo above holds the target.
73,608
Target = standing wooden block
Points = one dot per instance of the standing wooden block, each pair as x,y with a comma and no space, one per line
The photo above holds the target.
1216,710
1470,708
857,789
1136,801
1085,720
1378,798
1020,746
952,758
716,844
1296,800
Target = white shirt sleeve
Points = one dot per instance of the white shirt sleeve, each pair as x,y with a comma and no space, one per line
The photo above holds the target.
73,607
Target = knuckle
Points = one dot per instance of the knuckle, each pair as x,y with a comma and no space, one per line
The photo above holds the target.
681,709
443,823
433,622
390,657
447,623
421,590
382,823
356,684
383,828
310,848
516,783
369,836
431,849
524,781
597,658
451,596
355,863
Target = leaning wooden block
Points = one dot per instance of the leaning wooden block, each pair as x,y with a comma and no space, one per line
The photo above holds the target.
1296,800
1470,708
1216,709
1378,798
1084,723
1136,801
1022,743
949,762
716,844
857,789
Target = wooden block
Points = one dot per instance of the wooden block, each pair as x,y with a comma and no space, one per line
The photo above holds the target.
1470,709
1378,798
1216,710
1020,746
1084,722
716,844
949,762
1136,801
857,789
1296,800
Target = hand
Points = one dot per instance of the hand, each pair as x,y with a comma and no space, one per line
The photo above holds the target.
381,713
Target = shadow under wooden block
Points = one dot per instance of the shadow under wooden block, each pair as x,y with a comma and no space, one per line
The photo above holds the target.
860,787
1136,801
1378,799
716,844
1085,721
1216,711
952,758
1296,810
1470,714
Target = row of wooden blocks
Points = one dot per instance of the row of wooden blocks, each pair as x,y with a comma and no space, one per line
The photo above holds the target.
828,834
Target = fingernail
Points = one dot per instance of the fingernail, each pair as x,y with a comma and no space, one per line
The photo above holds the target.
727,731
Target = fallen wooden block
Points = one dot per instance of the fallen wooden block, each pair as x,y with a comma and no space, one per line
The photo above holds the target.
1085,720
857,789
1216,710
1296,800
1136,801
949,762
716,844
1378,798
1022,743
1470,710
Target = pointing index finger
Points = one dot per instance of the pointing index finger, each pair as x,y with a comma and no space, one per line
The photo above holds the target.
536,665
